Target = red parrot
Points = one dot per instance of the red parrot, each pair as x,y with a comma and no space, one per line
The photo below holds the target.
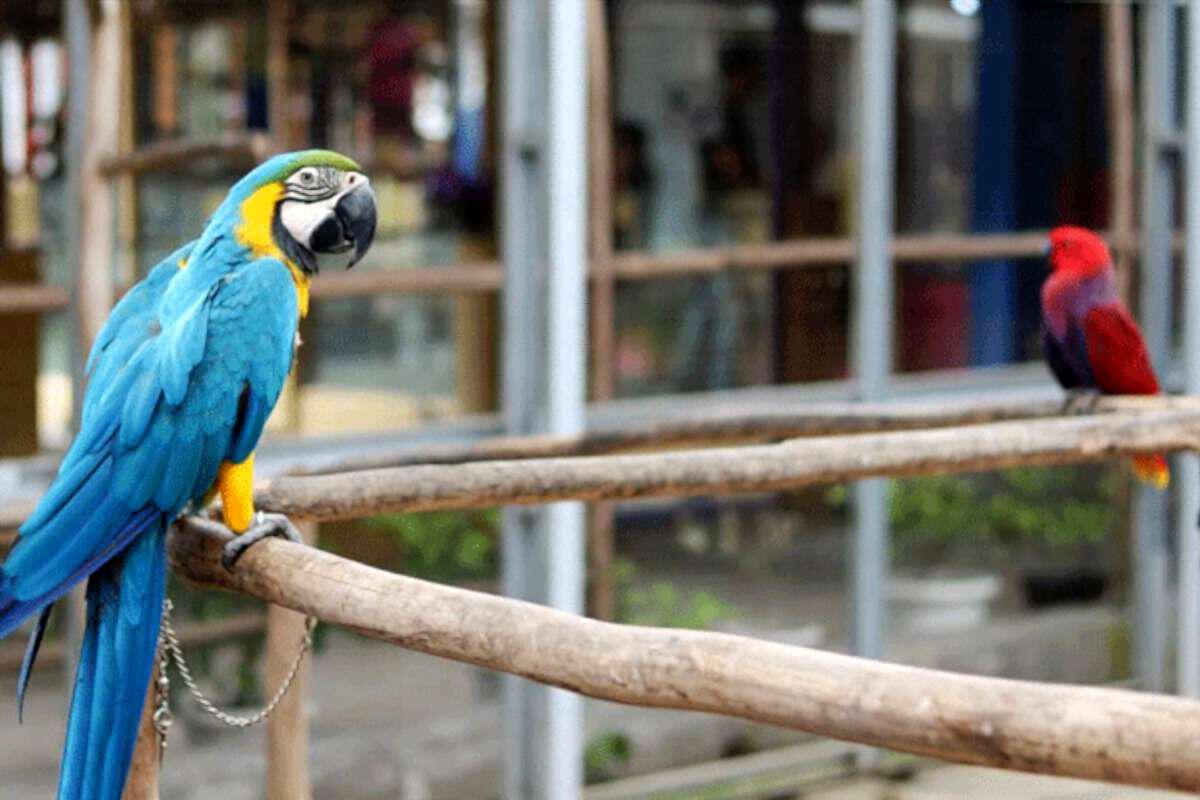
1090,341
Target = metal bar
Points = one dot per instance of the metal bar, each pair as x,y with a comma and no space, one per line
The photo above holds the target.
544,245
566,369
77,30
522,209
1150,508
873,311
1187,466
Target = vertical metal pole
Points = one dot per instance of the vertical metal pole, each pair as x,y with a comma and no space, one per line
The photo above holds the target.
873,302
1187,466
77,24
544,246
1150,507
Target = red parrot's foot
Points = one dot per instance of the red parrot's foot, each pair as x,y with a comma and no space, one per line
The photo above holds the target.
265,525
1081,402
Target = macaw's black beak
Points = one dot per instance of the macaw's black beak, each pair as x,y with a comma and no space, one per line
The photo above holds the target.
356,211
351,226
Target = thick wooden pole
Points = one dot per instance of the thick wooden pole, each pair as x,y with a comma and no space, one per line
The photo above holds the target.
1083,732
142,783
735,426
775,467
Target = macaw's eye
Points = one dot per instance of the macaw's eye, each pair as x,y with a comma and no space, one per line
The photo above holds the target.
307,177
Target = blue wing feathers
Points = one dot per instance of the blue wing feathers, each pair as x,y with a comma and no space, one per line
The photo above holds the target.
14,610
184,376
73,475
139,407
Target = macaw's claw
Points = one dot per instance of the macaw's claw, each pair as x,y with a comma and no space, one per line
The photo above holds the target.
1081,401
265,525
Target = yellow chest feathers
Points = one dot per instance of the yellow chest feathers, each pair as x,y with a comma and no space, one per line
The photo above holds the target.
258,213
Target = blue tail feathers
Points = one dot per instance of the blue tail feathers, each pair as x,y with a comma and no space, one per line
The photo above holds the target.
124,610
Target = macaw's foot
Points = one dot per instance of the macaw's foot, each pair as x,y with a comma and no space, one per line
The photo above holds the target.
265,525
1081,401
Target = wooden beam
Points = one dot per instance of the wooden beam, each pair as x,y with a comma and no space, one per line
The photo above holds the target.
32,298
182,154
483,276
733,426
1098,734
787,465
191,634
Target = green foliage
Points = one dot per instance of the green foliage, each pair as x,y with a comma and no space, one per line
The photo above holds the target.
603,755
663,605
1041,506
446,545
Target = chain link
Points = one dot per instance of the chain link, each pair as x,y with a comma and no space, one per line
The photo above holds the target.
169,650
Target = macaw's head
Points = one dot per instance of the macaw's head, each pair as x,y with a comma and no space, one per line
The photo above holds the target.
1078,252
314,207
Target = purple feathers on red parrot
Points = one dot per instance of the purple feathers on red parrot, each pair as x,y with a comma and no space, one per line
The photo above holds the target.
1088,336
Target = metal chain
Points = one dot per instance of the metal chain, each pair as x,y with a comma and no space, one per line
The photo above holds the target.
170,650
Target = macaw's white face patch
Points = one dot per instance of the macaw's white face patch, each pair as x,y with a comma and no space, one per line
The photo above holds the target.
309,213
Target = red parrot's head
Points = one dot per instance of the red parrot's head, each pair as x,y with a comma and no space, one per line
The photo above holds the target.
1078,252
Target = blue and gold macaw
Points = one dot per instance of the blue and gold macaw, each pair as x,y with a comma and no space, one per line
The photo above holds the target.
182,379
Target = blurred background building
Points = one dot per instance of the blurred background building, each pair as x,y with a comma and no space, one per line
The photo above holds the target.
731,149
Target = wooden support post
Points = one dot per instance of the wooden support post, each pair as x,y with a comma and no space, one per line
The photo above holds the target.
1118,72
278,86
288,775
142,783
127,198
601,516
600,190
287,729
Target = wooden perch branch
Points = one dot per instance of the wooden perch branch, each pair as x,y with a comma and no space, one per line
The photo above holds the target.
1101,734
736,426
787,465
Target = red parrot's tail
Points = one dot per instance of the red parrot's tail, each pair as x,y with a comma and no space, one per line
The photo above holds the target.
1152,470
